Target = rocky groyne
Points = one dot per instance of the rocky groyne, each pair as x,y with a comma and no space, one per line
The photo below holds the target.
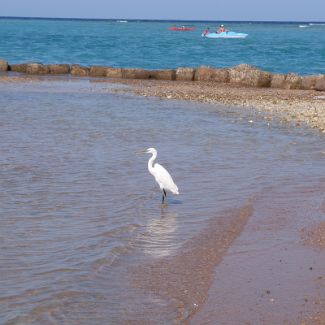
243,74
294,99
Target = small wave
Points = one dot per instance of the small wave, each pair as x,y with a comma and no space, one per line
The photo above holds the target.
26,294
62,270
119,231
103,262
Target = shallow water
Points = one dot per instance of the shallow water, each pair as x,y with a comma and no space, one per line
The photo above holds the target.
80,214
276,47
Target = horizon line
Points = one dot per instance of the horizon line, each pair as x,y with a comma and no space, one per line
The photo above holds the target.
161,20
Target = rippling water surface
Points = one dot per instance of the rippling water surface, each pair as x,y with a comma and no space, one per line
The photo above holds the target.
79,210
276,47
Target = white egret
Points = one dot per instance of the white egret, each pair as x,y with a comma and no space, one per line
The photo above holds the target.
161,175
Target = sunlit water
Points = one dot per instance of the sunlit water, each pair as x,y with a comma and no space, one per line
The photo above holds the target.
79,210
276,47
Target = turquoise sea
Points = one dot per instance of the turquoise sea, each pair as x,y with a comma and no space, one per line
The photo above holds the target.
277,47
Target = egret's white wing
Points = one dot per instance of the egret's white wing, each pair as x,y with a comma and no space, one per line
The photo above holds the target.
164,179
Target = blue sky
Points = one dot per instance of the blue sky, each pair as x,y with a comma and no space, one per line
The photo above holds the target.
278,10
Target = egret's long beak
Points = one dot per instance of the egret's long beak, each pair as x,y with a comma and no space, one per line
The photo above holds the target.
141,152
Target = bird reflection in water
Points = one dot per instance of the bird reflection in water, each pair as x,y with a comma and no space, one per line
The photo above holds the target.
160,235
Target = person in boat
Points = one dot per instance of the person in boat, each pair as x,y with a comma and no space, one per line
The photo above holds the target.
222,29
206,31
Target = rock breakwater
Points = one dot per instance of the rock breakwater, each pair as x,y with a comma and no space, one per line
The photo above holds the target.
243,74
288,97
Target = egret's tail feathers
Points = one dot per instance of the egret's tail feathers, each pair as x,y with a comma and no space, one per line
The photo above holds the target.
175,190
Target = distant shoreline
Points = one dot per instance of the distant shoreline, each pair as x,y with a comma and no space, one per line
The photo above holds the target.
168,20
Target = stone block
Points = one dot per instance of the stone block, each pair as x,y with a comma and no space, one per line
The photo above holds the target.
114,72
97,71
248,75
78,70
59,68
131,73
3,65
21,68
163,74
278,81
211,74
37,68
185,74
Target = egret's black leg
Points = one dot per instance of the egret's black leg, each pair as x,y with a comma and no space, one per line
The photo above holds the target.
163,196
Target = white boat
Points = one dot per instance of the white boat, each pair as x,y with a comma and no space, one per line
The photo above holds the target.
224,35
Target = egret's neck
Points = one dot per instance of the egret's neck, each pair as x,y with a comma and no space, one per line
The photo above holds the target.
151,162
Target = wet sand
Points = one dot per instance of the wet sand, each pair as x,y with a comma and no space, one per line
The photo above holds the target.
249,266
314,236
187,277
268,276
